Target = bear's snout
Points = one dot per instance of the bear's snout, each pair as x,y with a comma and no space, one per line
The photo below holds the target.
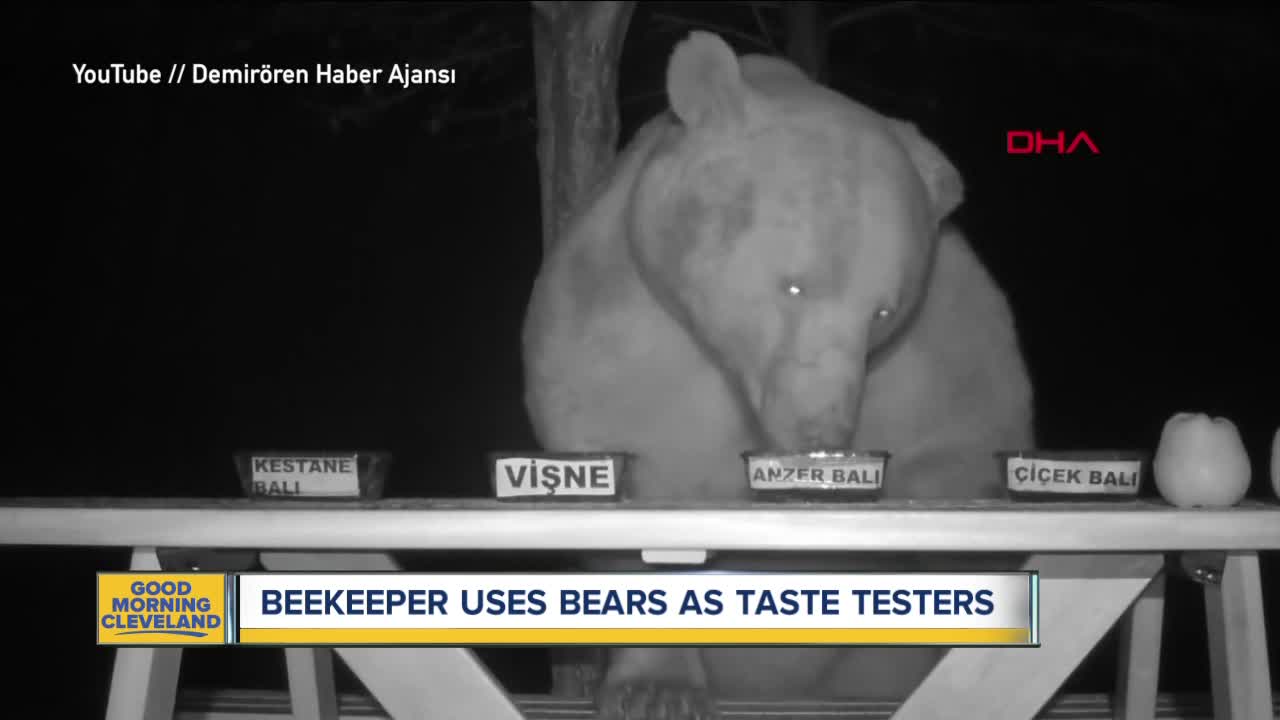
812,405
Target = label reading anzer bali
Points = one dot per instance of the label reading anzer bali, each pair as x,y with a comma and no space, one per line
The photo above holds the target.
552,477
1076,477
802,472
302,476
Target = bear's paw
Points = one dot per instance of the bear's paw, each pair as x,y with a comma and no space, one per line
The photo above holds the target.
655,701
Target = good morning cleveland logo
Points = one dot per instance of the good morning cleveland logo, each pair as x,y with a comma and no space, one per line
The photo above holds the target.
161,608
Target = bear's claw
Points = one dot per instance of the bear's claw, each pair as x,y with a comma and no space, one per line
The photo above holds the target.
655,701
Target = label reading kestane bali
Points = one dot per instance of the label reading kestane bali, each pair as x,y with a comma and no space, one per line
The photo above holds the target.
302,476
1078,477
803,472
518,477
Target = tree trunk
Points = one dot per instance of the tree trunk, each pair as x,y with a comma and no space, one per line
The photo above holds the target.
806,37
577,48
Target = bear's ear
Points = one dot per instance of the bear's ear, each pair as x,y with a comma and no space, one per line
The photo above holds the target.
943,181
704,83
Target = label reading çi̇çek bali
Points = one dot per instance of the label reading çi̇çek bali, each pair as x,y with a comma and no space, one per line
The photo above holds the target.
303,476
801,472
554,477
1079,477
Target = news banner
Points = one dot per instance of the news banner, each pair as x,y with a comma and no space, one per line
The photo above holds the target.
652,608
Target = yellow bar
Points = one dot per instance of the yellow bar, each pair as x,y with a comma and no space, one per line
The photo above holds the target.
636,636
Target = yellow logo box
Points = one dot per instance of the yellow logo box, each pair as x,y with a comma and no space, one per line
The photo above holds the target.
155,608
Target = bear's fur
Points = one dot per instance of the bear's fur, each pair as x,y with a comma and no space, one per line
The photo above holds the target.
768,266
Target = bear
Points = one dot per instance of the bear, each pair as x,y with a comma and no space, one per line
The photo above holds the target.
770,265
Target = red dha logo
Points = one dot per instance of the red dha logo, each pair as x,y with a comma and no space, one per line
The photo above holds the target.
1033,142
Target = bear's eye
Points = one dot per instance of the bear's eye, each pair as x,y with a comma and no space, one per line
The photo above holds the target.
792,288
884,312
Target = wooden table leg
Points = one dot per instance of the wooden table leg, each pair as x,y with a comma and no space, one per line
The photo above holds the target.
1138,669
1238,641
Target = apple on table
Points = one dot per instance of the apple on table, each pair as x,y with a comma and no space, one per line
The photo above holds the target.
1201,462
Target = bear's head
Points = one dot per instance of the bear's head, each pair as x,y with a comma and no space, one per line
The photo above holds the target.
790,229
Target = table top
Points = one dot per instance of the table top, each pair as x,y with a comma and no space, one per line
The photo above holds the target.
486,524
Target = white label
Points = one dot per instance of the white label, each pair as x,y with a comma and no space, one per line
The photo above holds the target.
303,476
547,477
1110,477
803,472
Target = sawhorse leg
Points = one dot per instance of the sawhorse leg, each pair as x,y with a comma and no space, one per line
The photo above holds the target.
144,681
1081,598
1138,669
1238,641
408,682
312,692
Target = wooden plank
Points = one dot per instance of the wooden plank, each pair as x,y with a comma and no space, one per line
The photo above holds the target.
312,692
1240,674
409,682
1081,598
144,681
1138,666
487,525
274,705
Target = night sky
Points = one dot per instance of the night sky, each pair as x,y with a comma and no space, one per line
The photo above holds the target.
196,270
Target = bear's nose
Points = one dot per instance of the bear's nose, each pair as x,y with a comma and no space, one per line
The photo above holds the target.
830,429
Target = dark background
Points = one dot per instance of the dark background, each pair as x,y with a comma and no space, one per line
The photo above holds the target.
193,270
